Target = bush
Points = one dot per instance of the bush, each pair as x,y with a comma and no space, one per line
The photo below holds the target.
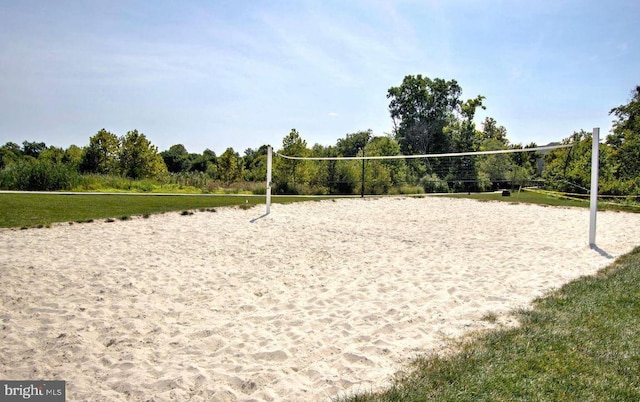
433,184
100,182
38,175
406,189
283,187
484,181
620,187
262,190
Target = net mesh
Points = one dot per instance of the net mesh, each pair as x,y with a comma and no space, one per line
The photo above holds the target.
382,174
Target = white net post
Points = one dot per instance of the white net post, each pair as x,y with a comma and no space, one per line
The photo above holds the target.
595,151
269,165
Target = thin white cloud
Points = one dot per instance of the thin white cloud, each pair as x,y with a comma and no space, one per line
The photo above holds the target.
229,72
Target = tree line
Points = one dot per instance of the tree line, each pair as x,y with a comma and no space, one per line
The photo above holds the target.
429,117
568,170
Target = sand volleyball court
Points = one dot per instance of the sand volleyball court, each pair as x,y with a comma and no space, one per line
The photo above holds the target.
314,300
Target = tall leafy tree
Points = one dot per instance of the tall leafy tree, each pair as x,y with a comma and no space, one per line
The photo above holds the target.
319,172
255,163
525,163
211,162
9,153
334,176
289,172
569,169
73,156
420,109
202,162
465,135
625,141
353,144
497,167
101,155
138,158
230,166
463,138
52,155
390,171
492,131
33,149
176,158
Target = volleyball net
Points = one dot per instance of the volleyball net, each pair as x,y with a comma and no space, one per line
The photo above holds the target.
363,174
477,171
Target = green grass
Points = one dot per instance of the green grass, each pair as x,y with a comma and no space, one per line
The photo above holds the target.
523,197
31,210
531,197
580,343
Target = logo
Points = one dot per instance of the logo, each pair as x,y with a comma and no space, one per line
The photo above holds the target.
39,391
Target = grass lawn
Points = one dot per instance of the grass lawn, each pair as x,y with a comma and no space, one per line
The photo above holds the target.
524,197
532,197
24,210
36,209
580,343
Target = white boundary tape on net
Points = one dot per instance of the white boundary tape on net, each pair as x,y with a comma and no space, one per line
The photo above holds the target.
499,151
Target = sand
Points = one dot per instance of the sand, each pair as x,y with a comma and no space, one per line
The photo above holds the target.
317,299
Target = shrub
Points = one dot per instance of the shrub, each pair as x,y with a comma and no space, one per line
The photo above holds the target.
262,190
38,175
406,189
283,187
433,184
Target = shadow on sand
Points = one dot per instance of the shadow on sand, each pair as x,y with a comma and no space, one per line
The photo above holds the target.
601,252
254,220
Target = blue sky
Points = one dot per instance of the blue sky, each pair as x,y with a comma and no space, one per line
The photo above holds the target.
218,74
